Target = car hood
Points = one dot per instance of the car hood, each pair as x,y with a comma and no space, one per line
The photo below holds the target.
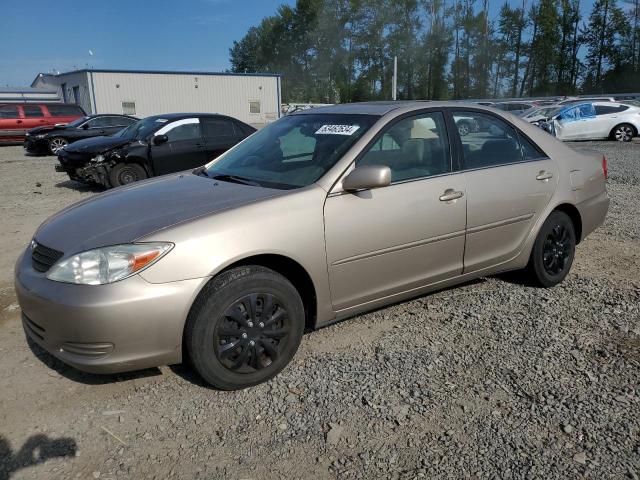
96,145
126,214
45,129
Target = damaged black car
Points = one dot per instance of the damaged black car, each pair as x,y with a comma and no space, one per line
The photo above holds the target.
150,147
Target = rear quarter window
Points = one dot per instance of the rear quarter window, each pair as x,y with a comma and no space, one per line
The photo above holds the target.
63,110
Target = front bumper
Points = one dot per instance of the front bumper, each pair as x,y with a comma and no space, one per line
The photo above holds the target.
31,145
127,325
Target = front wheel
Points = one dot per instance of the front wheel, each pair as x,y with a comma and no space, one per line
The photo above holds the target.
623,132
56,144
125,173
244,328
553,251
463,129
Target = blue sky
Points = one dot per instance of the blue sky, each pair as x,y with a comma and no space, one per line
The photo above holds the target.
41,35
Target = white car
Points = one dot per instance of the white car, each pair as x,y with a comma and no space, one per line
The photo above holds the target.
595,121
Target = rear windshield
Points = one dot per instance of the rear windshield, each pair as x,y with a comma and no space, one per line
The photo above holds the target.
293,152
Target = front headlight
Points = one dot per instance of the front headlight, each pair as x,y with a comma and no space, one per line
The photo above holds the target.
98,158
108,264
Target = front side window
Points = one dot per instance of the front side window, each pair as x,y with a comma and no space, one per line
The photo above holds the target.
413,147
99,122
32,111
495,143
185,129
292,152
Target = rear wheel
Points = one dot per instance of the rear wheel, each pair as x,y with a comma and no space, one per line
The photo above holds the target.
623,132
125,173
244,328
553,251
56,144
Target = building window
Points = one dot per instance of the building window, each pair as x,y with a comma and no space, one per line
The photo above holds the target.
254,106
128,108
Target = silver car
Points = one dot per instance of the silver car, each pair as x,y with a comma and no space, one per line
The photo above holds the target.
320,216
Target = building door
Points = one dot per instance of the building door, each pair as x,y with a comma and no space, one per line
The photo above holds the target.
76,95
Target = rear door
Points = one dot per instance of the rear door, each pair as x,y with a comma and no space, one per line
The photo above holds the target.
11,124
184,150
220,134
509,183
34,116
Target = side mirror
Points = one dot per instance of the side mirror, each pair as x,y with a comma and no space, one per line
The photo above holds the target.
367,177
160,139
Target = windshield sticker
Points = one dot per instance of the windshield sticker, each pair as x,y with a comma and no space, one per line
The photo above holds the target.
337,130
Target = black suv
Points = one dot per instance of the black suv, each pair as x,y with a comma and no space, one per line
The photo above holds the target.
152,146
52,139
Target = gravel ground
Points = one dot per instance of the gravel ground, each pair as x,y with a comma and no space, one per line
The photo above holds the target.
488,380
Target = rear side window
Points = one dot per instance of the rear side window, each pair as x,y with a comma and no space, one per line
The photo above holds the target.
9,111
414,147
494,143
63,110
216,127
243,129
31,111
120,121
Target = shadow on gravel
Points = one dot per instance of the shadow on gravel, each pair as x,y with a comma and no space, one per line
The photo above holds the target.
79,186
82,377
37,449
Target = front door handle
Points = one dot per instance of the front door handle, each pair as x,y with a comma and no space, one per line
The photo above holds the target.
450,194
544,175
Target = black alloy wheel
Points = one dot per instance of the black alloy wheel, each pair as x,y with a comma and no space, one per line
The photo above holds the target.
556,249
244,327
553,251
251,333
126,173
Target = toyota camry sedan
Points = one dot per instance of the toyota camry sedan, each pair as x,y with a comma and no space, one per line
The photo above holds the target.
320,216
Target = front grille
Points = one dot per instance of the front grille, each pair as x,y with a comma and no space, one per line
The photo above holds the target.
43,257
33,327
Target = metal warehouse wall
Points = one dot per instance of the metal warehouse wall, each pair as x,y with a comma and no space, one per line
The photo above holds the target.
158,93
69,86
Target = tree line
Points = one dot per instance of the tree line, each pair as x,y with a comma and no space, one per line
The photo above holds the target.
342,50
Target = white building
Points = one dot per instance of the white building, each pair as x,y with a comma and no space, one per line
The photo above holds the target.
252,98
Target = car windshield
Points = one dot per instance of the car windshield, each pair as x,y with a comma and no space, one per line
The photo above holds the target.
77,122
293,152
142,128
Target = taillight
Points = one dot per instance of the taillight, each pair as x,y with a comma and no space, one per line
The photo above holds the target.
604,167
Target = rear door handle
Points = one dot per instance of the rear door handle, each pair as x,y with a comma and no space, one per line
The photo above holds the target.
450,194
544,175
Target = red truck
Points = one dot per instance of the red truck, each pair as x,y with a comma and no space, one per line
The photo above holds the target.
17,118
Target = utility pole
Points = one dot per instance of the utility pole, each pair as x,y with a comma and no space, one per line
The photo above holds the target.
394,83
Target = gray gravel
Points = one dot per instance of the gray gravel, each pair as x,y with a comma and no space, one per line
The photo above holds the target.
488,380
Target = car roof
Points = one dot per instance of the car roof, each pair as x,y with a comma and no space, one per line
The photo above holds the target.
177,116
384,107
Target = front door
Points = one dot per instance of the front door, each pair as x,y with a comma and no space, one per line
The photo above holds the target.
184,149
410,234
509,184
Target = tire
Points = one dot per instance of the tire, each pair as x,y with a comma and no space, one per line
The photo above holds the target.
553,251
125,173
233,349
463,129
623,132
56,144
